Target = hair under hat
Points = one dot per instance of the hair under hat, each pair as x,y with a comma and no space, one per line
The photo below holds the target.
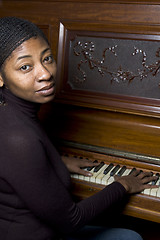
13,32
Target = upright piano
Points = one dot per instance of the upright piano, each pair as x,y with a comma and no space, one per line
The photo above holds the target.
107,106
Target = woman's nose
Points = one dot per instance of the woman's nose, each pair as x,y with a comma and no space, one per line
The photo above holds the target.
42,73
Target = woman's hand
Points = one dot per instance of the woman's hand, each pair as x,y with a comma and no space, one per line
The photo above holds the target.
78,165
137,181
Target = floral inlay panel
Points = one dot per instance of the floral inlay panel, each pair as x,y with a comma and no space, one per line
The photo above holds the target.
115,66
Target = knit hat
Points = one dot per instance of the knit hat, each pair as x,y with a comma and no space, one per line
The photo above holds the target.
13,32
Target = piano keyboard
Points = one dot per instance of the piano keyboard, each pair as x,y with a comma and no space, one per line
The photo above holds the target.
104,174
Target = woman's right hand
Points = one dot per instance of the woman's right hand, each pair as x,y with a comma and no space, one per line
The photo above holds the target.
137,181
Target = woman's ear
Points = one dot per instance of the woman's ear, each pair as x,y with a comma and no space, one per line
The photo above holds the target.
1,80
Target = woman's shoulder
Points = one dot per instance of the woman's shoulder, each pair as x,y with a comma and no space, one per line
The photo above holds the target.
14,128
18,130
18,137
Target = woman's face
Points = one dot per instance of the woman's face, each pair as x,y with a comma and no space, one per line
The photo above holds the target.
29,72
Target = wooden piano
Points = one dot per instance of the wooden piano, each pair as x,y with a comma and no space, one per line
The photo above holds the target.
107,106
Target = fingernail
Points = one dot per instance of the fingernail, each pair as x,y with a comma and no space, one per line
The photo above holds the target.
89,174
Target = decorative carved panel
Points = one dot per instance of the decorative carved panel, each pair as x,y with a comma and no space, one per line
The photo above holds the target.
112,69
115,66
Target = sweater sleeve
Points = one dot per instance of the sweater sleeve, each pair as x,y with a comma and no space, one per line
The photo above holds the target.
26,167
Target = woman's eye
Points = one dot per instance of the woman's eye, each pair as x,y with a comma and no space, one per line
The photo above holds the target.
48,59
25,68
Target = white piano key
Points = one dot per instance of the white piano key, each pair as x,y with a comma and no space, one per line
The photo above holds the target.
155,190
156,182
74,175
106,177
101,174
89,178
110,180
158,191
86,178
147,190
127,172
81,177
95,174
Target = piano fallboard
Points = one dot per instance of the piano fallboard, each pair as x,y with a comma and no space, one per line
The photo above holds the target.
140,205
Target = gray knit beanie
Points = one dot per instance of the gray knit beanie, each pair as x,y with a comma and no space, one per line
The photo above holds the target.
13,32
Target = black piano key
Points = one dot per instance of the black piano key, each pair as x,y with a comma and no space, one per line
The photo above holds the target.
151,173
133,169
140,171
155,181
90,168
108,168
97,168
121,171
115,169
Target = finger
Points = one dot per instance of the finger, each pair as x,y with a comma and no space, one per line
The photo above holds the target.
134,173
148,179
116,177
149,186
84,172
88,163
144,174
154,186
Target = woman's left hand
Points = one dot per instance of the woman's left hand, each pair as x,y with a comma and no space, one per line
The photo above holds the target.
78,165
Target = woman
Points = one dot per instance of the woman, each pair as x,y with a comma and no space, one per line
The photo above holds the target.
35,199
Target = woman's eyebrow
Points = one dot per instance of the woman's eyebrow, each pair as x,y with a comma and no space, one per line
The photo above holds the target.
28,56
45,50
24,56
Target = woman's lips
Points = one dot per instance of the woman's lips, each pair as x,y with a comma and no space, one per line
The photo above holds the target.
47,90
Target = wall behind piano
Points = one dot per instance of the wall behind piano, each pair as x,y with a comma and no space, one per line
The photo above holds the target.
118,118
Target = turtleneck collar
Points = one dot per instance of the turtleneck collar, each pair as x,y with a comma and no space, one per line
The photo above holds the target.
29,108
